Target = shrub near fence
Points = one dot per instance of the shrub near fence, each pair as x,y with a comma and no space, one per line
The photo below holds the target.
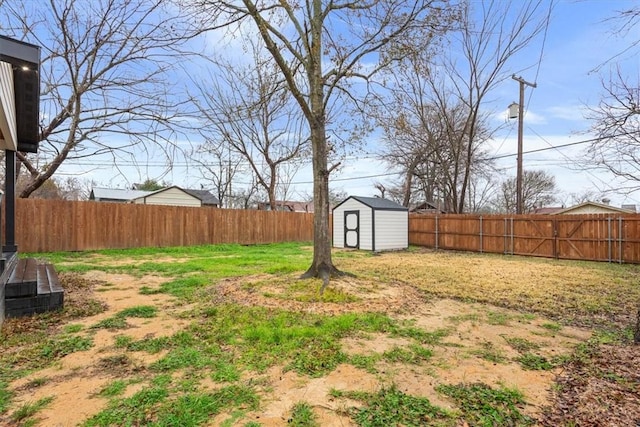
59,225
599,237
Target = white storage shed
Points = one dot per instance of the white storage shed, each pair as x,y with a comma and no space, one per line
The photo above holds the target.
370,223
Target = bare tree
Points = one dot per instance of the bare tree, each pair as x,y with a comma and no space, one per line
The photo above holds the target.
616,124
321,49
538,190
616,120
219,166
443,97
249,109
105,79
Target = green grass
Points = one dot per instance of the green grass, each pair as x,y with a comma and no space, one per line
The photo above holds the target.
302,416
56,348
414,354
158,406
490,353
391,407
366,362
119,320
535,362
521,345
227,343
115,388
484,406
551,326
5,397
27,411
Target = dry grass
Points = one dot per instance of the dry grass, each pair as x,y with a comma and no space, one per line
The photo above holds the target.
584,292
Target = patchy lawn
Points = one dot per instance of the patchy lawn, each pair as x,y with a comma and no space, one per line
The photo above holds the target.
228,335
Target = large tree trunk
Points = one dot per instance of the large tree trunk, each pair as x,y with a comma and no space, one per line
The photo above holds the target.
322,265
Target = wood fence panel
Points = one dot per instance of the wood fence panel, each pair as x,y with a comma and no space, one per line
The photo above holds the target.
533,236
58,225
493,235
631,240
597,237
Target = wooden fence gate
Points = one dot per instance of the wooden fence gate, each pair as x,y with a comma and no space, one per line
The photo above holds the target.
579,237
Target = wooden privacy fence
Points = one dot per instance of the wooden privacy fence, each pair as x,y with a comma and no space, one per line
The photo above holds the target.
59,225
600,237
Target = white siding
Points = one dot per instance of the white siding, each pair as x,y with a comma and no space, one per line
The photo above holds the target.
8,129
391,226
391,230
338,228
591,209
170,197
365,232
366,228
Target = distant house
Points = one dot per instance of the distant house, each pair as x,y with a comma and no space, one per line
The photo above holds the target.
171,196
115,195
287,206
585,208
205,196
548,210
428,207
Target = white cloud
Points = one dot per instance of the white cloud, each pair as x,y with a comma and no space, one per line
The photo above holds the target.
568,112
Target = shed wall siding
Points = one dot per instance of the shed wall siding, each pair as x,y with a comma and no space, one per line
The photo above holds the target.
391,230
365,232
171,197
338,229
366,228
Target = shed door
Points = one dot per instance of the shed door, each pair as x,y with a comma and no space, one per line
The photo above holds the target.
352,229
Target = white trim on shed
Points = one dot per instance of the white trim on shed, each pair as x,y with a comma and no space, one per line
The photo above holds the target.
370,223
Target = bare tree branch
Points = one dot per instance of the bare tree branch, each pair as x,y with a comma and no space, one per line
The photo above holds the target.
105,78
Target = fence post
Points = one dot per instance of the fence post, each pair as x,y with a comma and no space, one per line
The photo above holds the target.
505,237
480,233
609,238
556,253
512,238
436,231
620,237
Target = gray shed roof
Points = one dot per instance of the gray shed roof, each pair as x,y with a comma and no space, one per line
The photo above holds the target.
377,203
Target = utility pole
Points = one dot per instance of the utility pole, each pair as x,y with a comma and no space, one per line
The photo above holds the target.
520,132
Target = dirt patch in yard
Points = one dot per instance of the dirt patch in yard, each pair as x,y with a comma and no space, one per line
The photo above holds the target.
476,344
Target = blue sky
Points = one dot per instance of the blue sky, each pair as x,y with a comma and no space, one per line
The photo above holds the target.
577,41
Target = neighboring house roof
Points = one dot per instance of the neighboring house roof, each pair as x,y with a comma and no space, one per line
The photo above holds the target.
548,210
427,207
591,208
116,194
207,198
124,195
376,203
288,206
172,200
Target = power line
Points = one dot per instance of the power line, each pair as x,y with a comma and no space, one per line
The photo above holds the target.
497,157
555,147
